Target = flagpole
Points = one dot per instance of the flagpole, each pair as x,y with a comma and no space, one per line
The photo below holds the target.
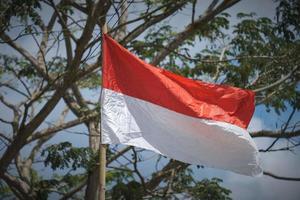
102,150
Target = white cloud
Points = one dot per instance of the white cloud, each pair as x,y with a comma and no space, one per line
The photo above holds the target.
256,124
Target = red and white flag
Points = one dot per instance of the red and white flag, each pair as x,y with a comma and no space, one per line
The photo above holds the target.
187,120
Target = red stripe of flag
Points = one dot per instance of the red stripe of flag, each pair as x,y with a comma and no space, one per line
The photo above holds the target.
133,77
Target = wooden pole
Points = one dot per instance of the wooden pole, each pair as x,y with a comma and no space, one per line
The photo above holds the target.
102,153
102,169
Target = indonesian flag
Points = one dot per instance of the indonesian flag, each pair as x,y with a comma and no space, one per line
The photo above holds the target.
187,120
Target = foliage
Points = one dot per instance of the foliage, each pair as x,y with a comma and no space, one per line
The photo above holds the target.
23,10
132,190
63,155
288,22
254,52
210,189
5,191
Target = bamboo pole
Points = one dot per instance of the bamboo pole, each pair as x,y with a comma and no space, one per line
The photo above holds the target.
102,153
102,169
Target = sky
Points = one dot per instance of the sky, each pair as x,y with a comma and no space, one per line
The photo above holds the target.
242,187
283,163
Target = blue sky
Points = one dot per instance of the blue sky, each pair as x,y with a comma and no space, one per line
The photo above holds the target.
243,187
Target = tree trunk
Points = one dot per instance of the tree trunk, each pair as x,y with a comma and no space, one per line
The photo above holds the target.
91,191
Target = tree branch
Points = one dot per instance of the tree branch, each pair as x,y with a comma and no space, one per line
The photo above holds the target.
99,8
63,22
280,81
24,132
18,185
191,29
283,130
121,32
49,131
165,172
24,53
14,89
5,137
143,17
288,148
266,173
74,190
136,170
137,31
141,28
216,76
117,155
42,47
278,134
78,96
16,112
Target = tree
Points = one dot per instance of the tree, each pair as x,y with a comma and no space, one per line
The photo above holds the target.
66,61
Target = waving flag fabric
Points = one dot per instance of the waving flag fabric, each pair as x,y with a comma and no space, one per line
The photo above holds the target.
187,120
